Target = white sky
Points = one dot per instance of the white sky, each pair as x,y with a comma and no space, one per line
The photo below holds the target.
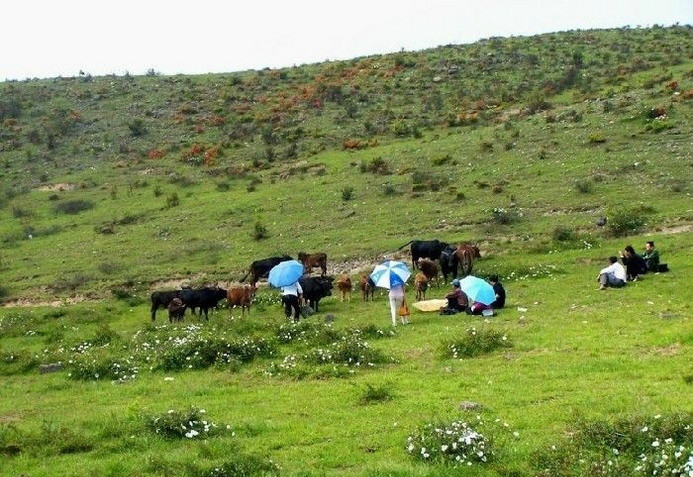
46,38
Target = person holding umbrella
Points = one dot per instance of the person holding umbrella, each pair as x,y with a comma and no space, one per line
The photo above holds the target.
285,276
480,292
393,275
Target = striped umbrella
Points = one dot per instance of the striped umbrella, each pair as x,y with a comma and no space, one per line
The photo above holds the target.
390,273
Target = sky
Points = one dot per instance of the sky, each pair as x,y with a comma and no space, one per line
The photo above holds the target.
48,38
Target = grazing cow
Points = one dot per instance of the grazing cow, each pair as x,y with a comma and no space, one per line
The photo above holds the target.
344,286
313,260
429,268
430,249
315,288
202,298
367,287
447,265
241,296
261,268
465,255
421,285
162,299
176,310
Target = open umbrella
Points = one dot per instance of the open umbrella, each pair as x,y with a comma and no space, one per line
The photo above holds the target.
478,290
285,273
390,273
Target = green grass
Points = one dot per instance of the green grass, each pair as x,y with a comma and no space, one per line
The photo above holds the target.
86,258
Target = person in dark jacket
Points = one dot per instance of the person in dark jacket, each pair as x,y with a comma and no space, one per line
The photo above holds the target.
499,291
634,263
651,257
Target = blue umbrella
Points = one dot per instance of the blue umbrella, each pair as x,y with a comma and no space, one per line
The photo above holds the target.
390,273
478,290
285,273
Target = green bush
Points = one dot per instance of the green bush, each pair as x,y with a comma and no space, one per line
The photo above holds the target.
474,342
243,465
622,222
74,206
190,424
347,193
102,366
456,443
260,232
376,394
172,200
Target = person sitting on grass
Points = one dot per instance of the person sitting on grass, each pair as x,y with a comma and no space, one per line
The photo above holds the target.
634,263
499,291
612,276
457,300
651,257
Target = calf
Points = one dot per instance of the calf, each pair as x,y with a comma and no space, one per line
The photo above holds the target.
176,310
162,299
315,288
421,285
344,287
429,268
241,296
203,298
367,287
313,260
261,268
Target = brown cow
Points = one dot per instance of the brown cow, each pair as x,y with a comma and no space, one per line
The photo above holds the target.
241,296
367,287
313,260
429,268
465,255
344,286
176,310
421,285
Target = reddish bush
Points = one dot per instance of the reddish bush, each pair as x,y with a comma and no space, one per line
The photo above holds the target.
673,85
352,144
199,129
210,155
155,154
688,94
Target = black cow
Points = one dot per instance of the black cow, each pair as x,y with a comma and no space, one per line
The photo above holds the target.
162,299
424,249
448,265
261,268
202,298
315,288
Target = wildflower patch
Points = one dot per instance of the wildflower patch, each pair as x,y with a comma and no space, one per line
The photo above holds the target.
187,424
474,342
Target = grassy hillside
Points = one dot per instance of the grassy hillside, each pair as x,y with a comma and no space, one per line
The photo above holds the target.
114,186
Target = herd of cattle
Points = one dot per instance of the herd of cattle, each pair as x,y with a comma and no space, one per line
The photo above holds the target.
427,256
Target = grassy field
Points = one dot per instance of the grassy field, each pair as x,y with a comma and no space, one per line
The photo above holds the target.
115,186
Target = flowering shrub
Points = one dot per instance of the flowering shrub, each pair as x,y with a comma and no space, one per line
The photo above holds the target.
457,442
351,351
475,342
504,217
188,424
95,368
202,352
639,447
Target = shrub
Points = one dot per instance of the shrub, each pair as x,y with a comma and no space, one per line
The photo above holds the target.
158,192
389,190
376,394
377,165
597,138
456,442
622,222
583,186
347,193
634,446
260,231
71,283
475,342
172,200
242,465
351,351
563,234
200,352
137,127
74,206
189,424
90,367
17,362
503,216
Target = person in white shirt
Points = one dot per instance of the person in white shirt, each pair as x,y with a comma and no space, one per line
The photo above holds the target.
291,295
396,296
612,276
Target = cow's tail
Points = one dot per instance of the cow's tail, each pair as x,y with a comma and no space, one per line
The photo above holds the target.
400,248
246,276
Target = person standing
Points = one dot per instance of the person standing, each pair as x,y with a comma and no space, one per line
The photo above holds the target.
291,296
396,296
499,291
612,276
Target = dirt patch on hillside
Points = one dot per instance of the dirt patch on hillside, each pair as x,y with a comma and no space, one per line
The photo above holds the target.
671,350
63,186
676,229
26,302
